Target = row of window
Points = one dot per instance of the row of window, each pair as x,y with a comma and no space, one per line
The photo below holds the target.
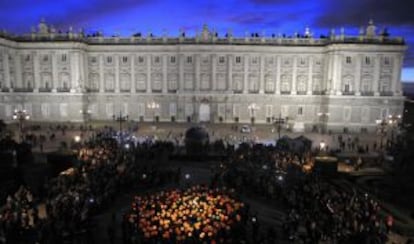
189,59
368,60
45,58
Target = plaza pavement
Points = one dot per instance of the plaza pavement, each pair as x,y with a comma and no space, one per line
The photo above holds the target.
267,213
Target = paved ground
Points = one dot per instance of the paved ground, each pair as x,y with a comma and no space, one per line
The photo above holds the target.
373,180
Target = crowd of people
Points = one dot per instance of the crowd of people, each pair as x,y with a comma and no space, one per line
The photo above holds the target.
104,168
195,215
316,209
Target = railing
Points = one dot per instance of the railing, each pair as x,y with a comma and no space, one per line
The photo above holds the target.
63,90
262,40
386,93
348,93
23,89
45,89
367,93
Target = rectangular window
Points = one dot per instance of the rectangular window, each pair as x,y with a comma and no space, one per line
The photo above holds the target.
45,58
367,60
238,59
300,111
172,59
302,61
386,60
124,59
93,59
254,60
109,59
140,59
221,60
348,60
63,58
27,59
157,60
189,59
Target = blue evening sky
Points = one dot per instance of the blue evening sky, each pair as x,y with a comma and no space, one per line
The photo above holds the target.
126,17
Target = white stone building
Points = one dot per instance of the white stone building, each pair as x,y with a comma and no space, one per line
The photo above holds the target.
336,83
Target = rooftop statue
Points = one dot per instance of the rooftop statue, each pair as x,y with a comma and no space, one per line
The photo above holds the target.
371,29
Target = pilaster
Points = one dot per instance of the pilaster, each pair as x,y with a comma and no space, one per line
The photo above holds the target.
6,70
101,74
246,74
229,72
376,76
294,72
213,72
18,69
278,65
55,77
116,57
36,71
261,78
358,64
133,82
164,74
197,72
149,60
310,74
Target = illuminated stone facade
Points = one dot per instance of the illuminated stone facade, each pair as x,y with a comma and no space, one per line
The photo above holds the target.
336,83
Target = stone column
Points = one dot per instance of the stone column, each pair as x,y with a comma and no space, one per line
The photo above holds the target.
74,70
358,64
101,74
6,70
376,75
164,74
36,71
55,78
310,75
133,84
117,85
229,72
330,78
213,72
197,72
149,60
295,64
396,75
18,69
261,77
246,74
83,77
278,69
181,72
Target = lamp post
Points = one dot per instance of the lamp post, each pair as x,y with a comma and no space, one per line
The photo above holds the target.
153,106
21,116
252,108
120,118
394,122
279,122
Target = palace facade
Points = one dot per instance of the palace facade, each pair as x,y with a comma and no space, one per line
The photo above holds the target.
337,83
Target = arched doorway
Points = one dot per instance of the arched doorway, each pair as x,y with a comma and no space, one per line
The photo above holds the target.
204,113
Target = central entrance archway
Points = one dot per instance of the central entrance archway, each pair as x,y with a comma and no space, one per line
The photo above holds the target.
204,113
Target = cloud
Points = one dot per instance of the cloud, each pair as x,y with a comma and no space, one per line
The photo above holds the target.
357,12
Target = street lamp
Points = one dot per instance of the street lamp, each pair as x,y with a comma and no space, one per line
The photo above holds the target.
323,119
279,122
21,116
252,108
120,118
394,122
153,106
